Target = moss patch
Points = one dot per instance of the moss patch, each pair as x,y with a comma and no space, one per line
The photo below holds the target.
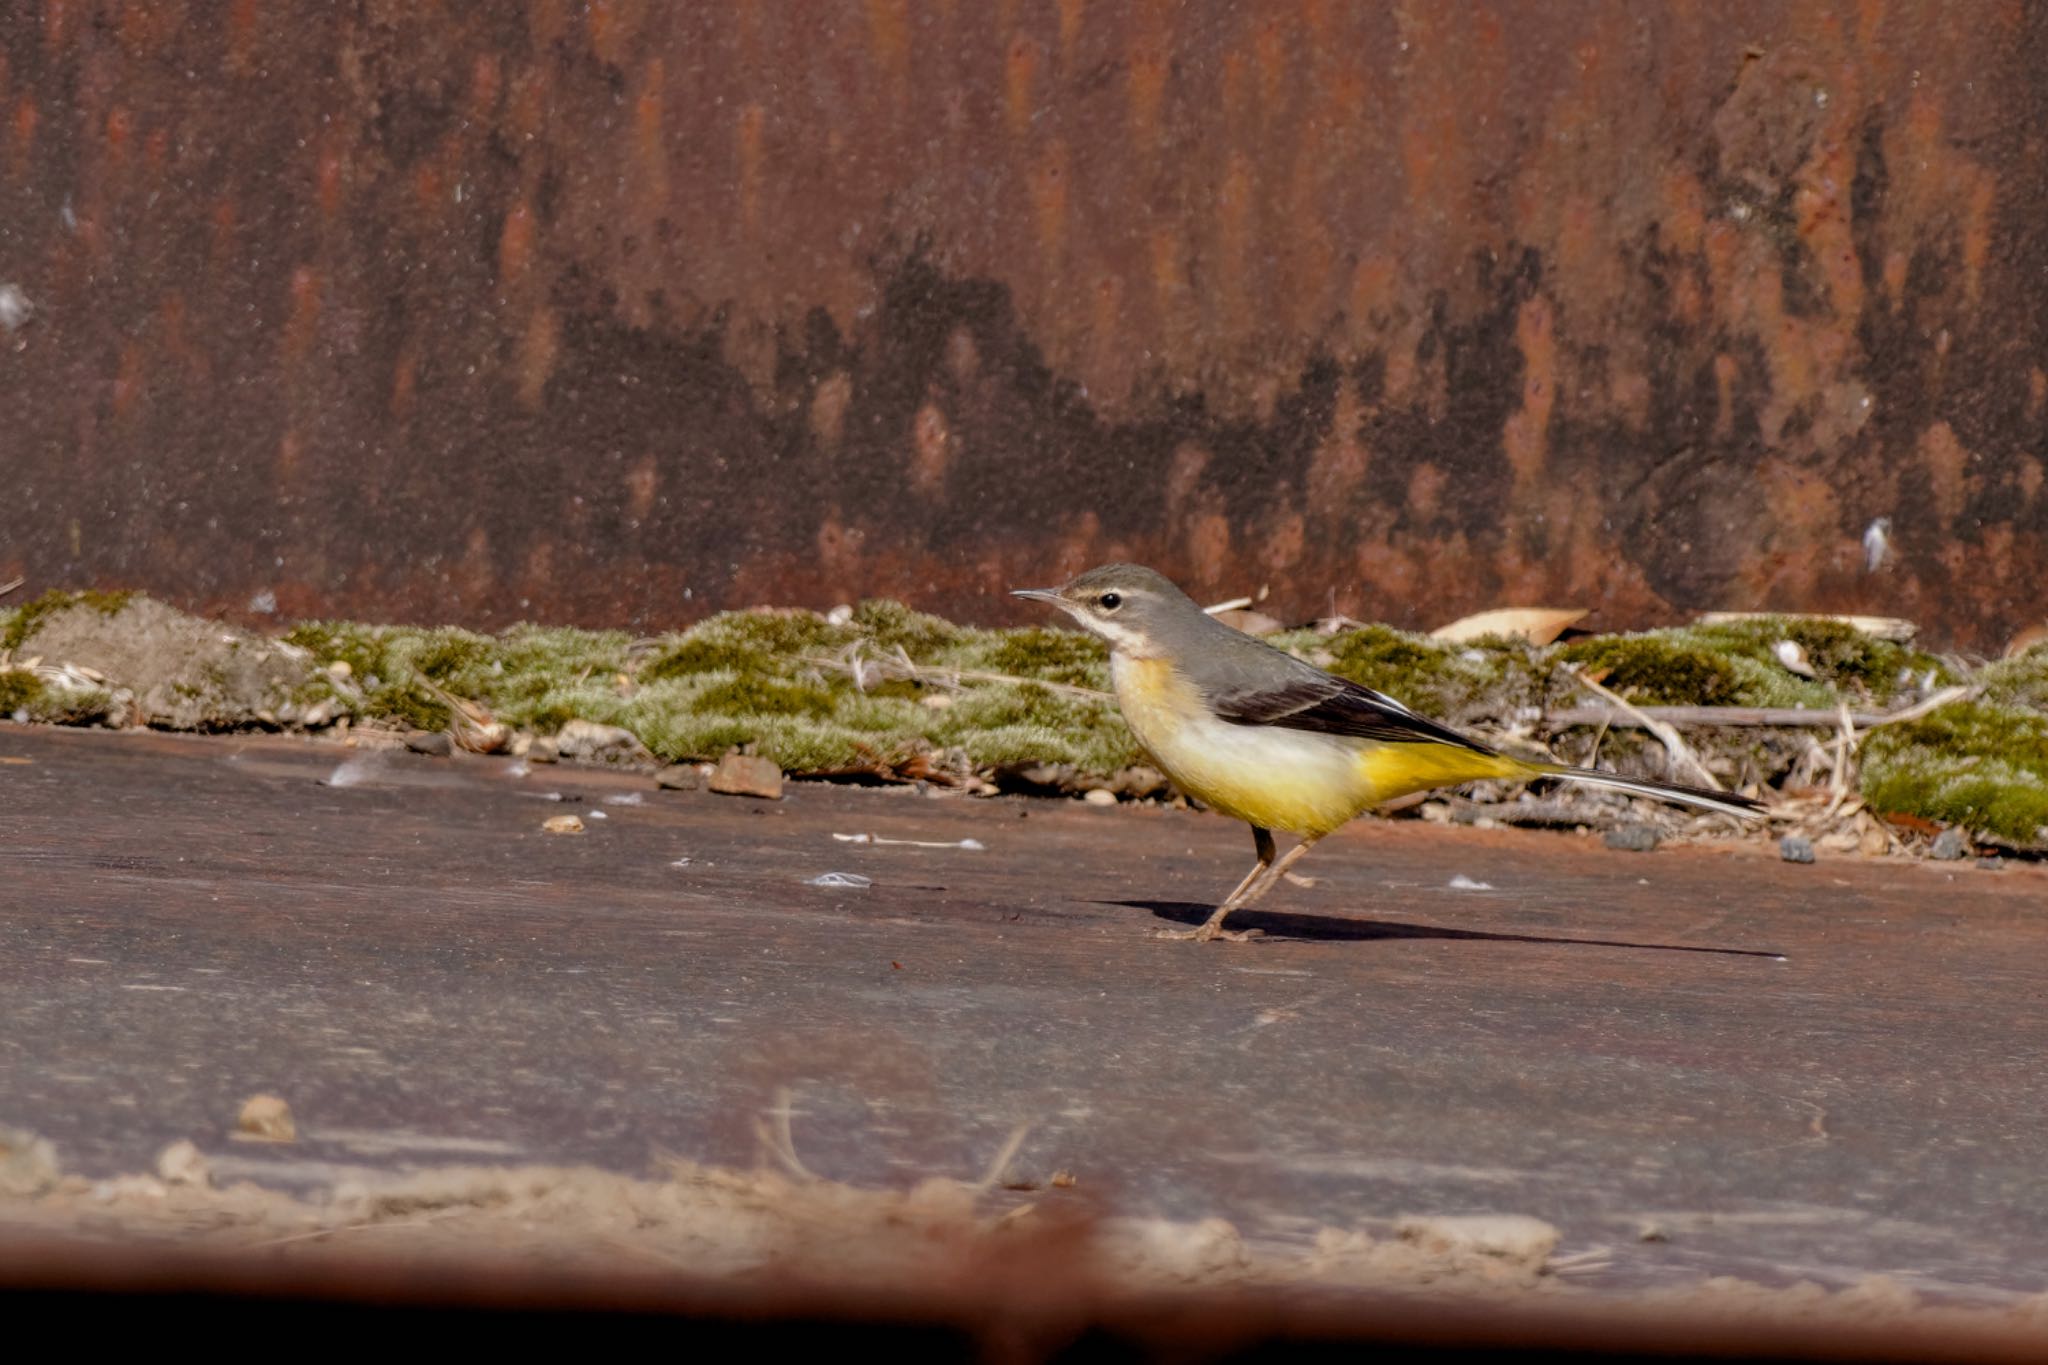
1974,764
22,622
1735,664
20,690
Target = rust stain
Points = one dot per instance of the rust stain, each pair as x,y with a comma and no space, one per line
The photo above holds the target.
1020,79
1525,439
753,122
328,177
56,24
1072,15
515,246
931,440
303,317
1948,466
129,383
1050,197
650,151
889,41
241,46
120,133
643,483
405,373
539,349
24,140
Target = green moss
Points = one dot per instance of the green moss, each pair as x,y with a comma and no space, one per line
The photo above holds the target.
753,694
20,690
2021,681
23,622
1063,656
1974,764
408,703
736,641
360,647
891,625
1736,664
1659,668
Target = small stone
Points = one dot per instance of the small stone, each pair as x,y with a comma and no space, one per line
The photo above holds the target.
1631,838
339,669
1100,796
1435,812
435,743
540,749
680,777
182,1163
1992,863
1063,1180
267,1117
740,774
588,739
562,824
319,715
1796,848
28,1164
1139,782
1950,845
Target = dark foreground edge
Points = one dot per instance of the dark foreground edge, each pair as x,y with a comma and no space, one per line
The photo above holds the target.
57,1286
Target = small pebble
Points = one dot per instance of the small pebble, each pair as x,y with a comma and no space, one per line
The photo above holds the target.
1949,845
1100,796
562,824
1795,848
269,1118
182,1164
1991,864
435,743
740,774
1631,838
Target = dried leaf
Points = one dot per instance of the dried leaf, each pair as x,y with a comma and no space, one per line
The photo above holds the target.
1537,625
2026,640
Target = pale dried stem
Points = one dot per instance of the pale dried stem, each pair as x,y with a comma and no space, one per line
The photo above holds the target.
903,669
1673,744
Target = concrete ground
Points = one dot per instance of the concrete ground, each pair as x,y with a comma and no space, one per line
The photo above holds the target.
1704,1061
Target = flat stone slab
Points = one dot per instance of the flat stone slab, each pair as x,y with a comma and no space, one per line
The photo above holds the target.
1705,1061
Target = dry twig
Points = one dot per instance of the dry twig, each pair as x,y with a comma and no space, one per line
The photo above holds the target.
1666,735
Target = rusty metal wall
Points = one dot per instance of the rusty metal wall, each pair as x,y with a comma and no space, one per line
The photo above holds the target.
619,311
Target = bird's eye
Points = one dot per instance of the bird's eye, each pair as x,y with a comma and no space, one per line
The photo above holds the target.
1111,600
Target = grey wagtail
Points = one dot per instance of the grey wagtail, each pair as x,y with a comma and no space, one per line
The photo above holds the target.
1277,743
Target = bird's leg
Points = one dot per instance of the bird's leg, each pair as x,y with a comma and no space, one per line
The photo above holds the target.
1275,872
1262,840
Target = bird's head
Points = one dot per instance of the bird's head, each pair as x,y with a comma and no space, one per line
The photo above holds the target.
1137,610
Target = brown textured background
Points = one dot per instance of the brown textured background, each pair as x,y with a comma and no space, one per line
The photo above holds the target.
617,312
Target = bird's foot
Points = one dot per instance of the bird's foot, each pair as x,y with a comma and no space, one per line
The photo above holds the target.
1208,932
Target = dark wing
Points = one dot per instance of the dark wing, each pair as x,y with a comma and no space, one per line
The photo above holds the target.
1334,706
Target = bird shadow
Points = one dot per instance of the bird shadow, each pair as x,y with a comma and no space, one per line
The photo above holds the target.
1281,924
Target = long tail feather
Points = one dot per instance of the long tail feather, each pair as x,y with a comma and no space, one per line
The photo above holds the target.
1727,803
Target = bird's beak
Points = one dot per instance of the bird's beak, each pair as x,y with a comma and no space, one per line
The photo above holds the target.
1040,595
